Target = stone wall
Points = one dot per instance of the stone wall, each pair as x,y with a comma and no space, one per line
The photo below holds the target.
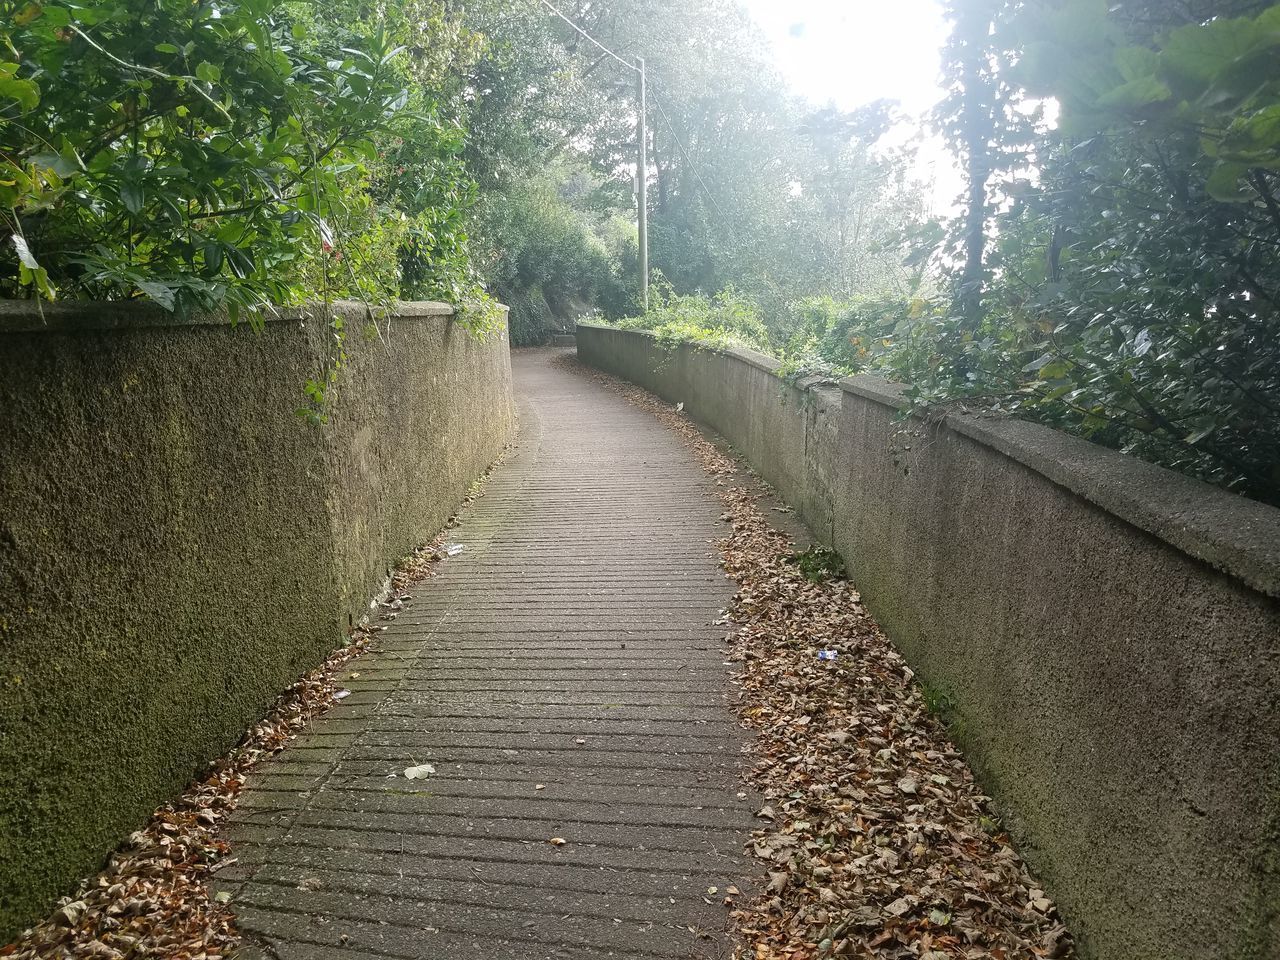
177,544
1108,633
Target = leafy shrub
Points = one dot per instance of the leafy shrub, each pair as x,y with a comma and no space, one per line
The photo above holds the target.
209,154
547,257
880,334
530,316
1132,283
1074,363
725,320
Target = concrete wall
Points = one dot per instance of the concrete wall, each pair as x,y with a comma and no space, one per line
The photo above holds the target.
1108,631
177,545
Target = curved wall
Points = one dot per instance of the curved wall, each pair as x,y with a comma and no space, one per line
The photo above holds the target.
177,545
1107,631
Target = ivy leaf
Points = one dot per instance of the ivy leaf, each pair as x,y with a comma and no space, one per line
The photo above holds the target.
1135,63
1200,51
212,251
59,164
30,273
1202,431
28,13
1136,93
26,92
1254,139
1038,362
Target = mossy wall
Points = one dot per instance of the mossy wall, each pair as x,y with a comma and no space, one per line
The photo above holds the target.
177,545
1107,632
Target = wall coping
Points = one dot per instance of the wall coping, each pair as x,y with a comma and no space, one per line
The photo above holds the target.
1238,536
30,316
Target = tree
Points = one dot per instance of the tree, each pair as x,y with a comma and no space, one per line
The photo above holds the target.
968,117
203,155
1135,279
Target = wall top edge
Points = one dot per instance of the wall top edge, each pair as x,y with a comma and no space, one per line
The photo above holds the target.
1236,535
756,359
30,316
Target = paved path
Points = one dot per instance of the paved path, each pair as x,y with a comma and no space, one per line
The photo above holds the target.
571,645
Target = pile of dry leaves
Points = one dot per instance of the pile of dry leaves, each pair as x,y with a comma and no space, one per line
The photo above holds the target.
877,840
152,900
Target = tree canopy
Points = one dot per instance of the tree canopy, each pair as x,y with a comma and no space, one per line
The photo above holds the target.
1110,269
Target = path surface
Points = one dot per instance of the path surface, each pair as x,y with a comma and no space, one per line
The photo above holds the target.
572,644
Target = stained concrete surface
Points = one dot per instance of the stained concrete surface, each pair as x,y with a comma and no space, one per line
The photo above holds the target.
177,544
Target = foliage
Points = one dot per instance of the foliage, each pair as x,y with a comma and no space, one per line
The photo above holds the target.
420,176
1130,292
818,564
1214,84
747,187
725,320
881,334
550,255
855,207
894,337
530,318
214,154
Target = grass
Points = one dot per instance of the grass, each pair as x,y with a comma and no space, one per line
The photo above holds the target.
819,564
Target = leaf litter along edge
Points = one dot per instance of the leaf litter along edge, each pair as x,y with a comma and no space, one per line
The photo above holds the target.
879,842
152,899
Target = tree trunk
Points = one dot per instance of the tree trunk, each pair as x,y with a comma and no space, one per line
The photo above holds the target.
972,30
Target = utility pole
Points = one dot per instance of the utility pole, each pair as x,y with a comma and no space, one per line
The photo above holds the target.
642,190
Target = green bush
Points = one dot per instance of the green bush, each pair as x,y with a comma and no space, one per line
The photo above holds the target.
1120,277
548,258
530,318
206,154
1082,376
725,320
886,335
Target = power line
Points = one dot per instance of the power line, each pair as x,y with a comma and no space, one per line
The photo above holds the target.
626,63
670,126
688,159
642,145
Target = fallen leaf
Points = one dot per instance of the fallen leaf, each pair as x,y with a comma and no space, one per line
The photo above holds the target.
898,907
873,803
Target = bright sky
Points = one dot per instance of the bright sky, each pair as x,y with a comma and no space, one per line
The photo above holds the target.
850,52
